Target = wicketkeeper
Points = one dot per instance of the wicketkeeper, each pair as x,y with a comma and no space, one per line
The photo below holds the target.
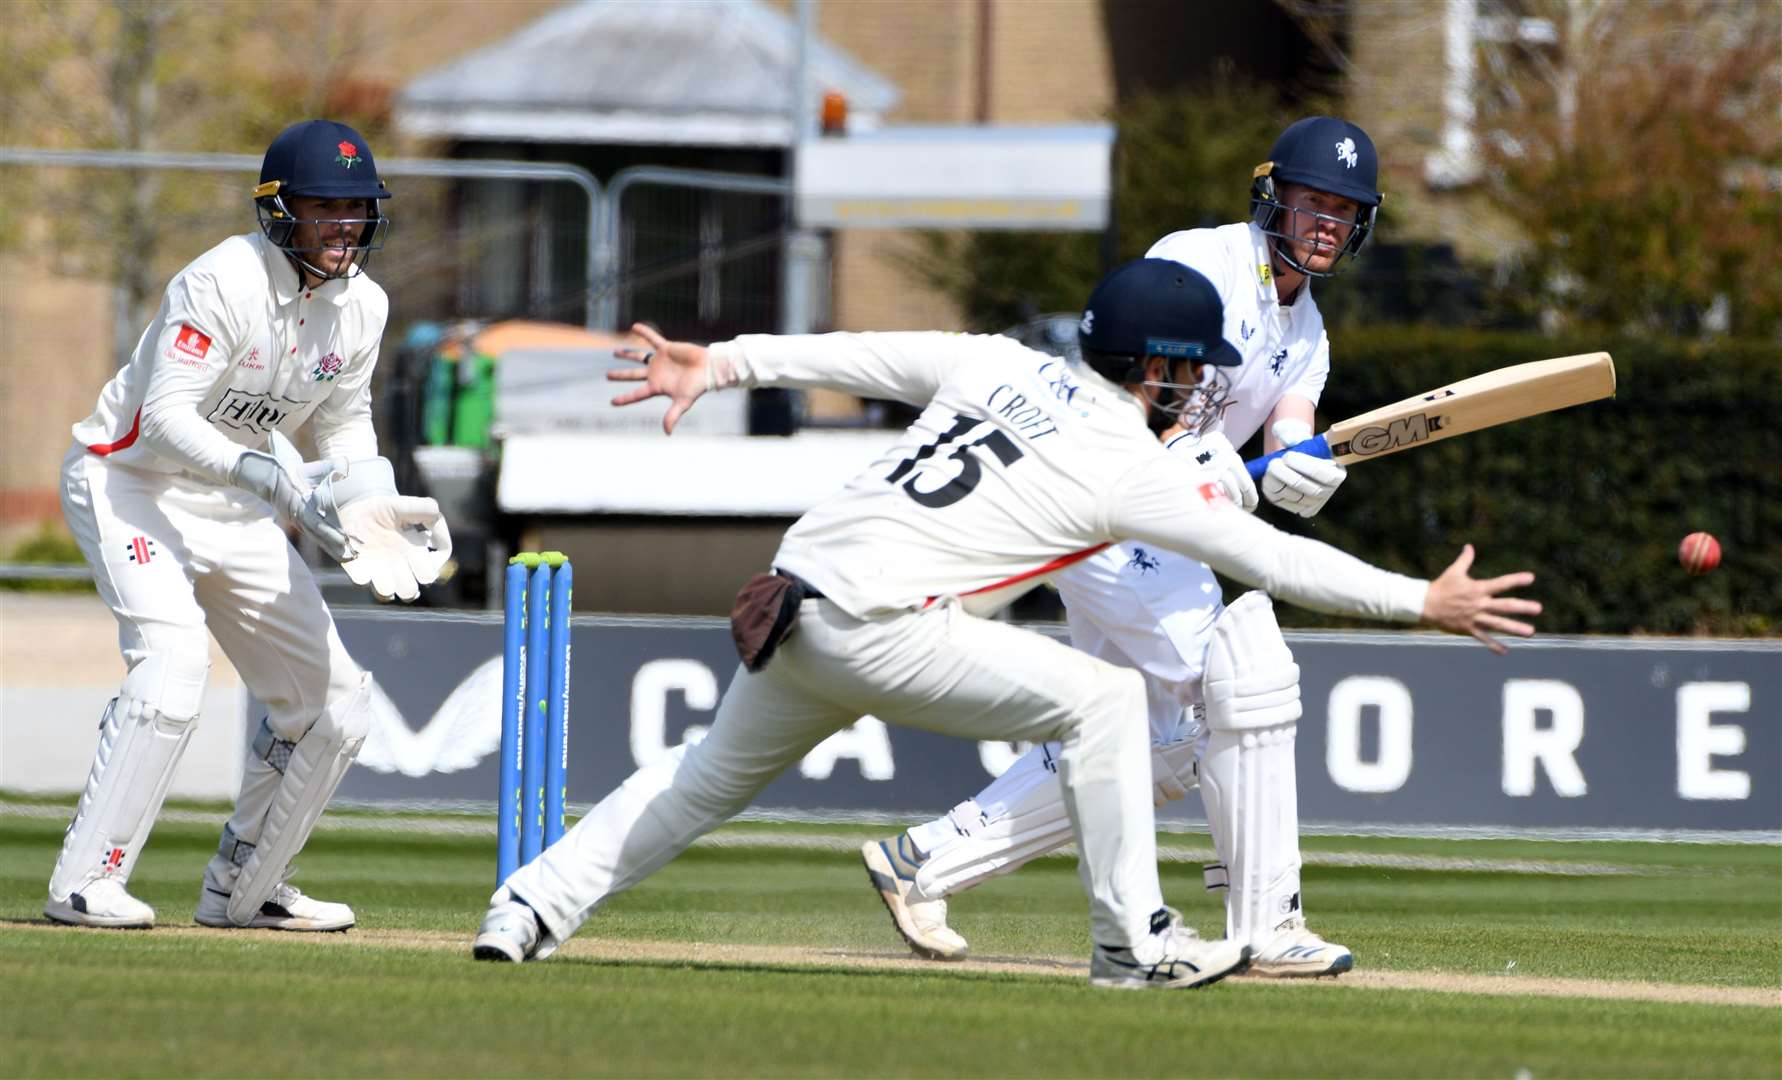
179,489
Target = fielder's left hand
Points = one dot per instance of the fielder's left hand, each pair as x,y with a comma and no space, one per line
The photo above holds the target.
677,370
1296,482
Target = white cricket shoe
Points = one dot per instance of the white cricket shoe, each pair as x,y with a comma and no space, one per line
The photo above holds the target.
1171,957
103,902
511,931
287,909
1294,952
891,865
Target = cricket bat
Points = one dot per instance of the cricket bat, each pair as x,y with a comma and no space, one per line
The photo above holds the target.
1496,397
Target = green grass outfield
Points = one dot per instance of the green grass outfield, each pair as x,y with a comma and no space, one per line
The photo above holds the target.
767,955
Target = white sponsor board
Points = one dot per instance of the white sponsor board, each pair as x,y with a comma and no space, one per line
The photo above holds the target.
1047,178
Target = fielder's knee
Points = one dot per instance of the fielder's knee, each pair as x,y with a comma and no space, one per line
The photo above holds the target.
1112,727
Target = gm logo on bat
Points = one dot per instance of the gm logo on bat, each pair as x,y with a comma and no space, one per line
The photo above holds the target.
1397,435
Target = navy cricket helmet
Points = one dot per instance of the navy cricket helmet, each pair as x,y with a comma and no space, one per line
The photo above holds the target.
321,159
1160,307
1328,154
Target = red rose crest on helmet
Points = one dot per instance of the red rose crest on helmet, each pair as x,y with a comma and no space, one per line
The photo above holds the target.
348,156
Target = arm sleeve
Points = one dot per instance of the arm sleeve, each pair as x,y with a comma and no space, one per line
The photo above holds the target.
343,426
1161,503
904,367
177,385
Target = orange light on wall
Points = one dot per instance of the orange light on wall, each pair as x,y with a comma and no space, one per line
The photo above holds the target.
835,113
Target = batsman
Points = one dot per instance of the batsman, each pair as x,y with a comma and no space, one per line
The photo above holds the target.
179,489
1139,606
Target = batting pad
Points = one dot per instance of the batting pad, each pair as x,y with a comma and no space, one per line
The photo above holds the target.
314,769
1247,777
1018,818
139,749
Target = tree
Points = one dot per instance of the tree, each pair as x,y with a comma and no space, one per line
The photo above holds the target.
159,75
1181,160
1642,154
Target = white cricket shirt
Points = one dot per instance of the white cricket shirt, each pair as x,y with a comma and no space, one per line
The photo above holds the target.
240,349
1284,345
1020,464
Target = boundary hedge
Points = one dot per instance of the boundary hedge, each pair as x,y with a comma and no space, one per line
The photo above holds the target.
1594,499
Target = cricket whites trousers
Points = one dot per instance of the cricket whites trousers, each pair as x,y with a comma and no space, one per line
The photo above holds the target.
937,669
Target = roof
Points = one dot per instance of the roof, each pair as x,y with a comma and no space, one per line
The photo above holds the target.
715,73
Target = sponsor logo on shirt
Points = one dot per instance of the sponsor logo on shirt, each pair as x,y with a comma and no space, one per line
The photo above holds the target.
252,360
141,549
1245,330
258,413
327,368
1143,561
192,342
1213,494
1265,273
1277,361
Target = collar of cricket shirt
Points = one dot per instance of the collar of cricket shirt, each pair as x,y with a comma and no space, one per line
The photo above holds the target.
287,287
1263,267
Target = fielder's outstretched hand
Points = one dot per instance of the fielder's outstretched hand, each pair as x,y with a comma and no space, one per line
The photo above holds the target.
1471,606
677,370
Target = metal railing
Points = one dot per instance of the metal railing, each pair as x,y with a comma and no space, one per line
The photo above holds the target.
619,277
18,571
445,168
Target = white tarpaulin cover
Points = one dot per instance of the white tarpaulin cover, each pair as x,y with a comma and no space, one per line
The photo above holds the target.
687,475
972,176
566,390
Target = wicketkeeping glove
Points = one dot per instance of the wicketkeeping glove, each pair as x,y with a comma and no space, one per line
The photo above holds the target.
279,478
399,542
402,543
1298,482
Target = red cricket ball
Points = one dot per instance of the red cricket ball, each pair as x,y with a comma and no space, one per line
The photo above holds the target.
1699,552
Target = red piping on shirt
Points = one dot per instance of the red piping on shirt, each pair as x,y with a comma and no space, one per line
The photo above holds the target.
124,443
1056,564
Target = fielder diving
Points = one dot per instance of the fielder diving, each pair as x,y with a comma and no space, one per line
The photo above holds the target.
179,488
1019,464
1136,605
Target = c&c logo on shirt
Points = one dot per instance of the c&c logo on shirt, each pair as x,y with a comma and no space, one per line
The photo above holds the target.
258,413
327,367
